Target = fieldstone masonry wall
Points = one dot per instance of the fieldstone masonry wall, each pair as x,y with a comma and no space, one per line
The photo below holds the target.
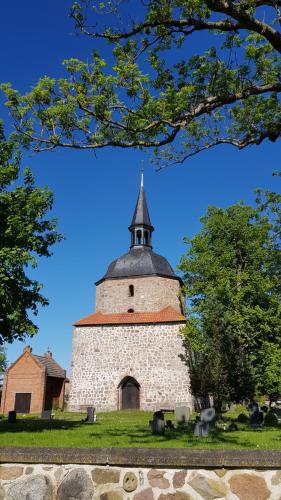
102,356
151,293
88,482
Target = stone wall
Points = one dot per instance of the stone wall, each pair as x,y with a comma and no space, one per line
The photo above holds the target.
151,293
29,480
102,356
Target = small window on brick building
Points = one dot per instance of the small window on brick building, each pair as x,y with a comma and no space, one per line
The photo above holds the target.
130,310
131,291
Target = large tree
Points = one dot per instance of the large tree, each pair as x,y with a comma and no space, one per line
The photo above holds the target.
3,362
25,235
232,276
182,76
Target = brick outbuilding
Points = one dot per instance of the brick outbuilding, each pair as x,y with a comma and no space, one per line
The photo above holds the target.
33,384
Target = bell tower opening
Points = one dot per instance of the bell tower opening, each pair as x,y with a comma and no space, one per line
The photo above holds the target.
129,394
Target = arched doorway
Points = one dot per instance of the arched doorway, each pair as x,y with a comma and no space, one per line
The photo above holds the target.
130,394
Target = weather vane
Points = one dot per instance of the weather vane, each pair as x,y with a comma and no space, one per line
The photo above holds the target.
142,170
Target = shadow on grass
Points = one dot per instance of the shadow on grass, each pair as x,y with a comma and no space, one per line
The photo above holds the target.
130,433
39,425
142,436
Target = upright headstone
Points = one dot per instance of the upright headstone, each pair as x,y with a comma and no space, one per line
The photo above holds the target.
256,416
158,423
207,418
201,429
12,417
90,415
182,415
46,415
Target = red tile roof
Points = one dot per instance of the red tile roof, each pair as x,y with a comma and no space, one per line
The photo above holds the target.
166,315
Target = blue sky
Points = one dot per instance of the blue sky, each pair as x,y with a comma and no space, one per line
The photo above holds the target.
95,195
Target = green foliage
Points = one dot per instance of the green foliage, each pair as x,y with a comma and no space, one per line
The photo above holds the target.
3,361
243,418
232,273
25,234
269,359
271,419
154,90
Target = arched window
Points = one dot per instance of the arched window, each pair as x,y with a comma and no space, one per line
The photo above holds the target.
130,310
139,237
131,291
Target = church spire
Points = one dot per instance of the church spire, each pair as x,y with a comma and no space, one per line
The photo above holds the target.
141,228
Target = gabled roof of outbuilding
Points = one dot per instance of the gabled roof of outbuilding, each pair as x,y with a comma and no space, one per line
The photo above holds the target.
166,315
53,369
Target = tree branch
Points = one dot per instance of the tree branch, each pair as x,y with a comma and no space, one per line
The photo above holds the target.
239,13
253,24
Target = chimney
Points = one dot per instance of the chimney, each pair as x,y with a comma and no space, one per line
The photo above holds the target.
48,354
27,349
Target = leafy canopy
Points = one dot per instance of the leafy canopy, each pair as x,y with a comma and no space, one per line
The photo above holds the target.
3,362
182,76
232,277
25,235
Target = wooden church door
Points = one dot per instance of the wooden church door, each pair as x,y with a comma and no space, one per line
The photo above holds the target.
130,394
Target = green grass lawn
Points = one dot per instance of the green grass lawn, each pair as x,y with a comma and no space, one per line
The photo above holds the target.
126,429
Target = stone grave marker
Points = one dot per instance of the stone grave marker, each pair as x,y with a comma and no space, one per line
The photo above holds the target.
12,417
182,415
158,423
207,418
46,415
90,419
256,416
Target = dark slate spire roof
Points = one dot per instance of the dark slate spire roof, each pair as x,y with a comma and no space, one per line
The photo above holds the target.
141,214
140,260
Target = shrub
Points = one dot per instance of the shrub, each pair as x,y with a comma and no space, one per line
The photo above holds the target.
271,419
242,418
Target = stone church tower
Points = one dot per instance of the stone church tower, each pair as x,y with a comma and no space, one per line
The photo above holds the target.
128,354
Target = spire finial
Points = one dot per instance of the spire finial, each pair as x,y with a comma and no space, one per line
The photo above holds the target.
142,170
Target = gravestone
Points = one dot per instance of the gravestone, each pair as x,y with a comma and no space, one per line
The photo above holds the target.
201,429
207,419
277,410
256,416
182,415
12,417
209,416
158,423
46,415
90,419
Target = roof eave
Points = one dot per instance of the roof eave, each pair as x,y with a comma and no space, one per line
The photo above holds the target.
139,276
164,322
